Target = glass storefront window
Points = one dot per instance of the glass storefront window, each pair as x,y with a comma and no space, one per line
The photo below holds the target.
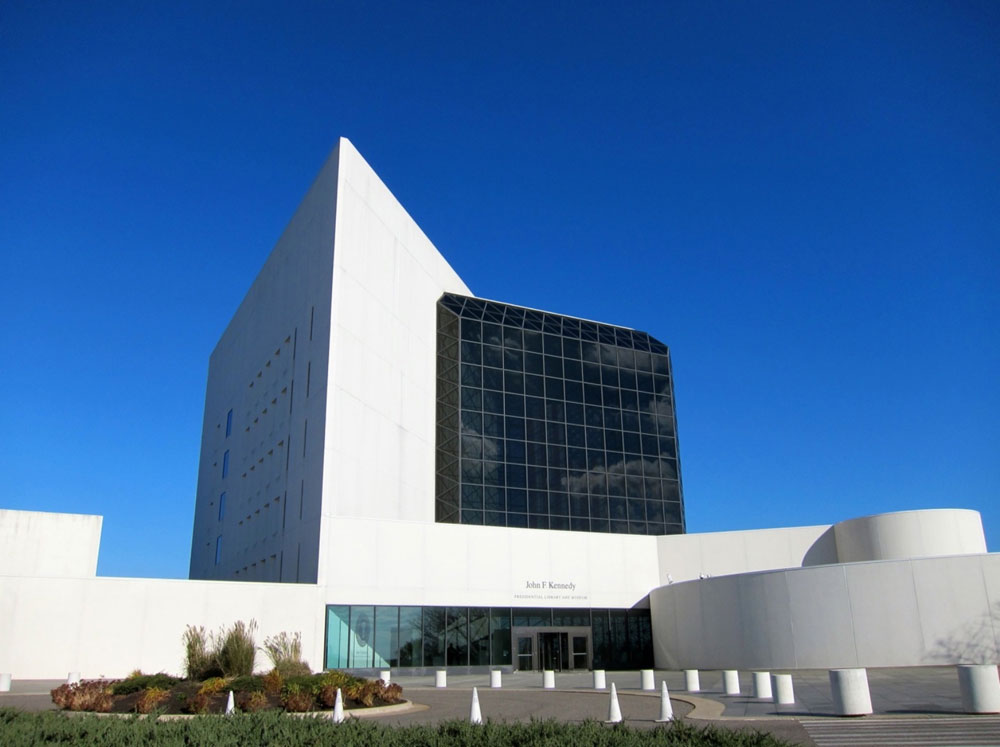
362,636
500,643
434,636
410,641
457,637
337,635
386,637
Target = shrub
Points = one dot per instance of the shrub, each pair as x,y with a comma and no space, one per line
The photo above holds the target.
137,682
247,684
237,649
297,700
199,660
90,695
199,704
285,653
151,697
251,702
213,685
273,682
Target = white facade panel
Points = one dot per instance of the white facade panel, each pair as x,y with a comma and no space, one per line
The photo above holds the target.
36,543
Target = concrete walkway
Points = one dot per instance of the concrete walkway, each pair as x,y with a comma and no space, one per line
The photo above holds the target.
928,695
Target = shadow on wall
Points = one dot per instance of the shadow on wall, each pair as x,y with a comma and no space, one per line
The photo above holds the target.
823,551
974,643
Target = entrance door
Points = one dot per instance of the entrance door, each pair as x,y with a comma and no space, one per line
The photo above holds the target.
524,653
553,651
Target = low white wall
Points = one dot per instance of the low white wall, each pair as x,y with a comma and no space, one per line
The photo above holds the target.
943,610
38,543
910,534
683,557
107,627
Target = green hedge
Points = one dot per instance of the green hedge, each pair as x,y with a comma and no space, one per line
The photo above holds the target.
20,728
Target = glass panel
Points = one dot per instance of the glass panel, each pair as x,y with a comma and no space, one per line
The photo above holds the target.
387,636
524,653
479,636
619,639
500,636
337,636
458,637
602,640
434,644
362,629
528,617
577,617
410,653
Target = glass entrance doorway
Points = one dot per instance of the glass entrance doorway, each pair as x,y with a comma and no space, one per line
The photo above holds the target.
558,649
553,651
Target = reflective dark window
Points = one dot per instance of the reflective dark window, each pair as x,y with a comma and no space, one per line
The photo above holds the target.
548,421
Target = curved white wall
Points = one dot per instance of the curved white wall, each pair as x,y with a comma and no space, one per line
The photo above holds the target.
910,534
923,611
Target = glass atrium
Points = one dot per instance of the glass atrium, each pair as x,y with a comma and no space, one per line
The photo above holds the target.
552,422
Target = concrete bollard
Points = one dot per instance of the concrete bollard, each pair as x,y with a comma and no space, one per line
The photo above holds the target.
496,678
850,692
384,675
731,682
600,683
338,709
475,714
614,710
549,679
980,686
781,686
666,709
647,681
692,682
4,682
762,686
73,678
441,678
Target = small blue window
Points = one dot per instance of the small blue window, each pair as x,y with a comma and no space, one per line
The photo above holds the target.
222,506
229,423
218,549
225,463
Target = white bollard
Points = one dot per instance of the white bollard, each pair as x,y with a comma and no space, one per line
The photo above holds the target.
647,681
762,686
230,704
549,679
850,692
441,678
384,675
781,687
475,715
73,678
600,683
980,686
666,709
614,710
496,678
731,682
4,682
692,682
338,709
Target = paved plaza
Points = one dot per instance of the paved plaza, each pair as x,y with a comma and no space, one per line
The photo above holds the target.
920,706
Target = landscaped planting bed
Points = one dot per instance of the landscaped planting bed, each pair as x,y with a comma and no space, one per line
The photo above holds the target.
162,693
272,728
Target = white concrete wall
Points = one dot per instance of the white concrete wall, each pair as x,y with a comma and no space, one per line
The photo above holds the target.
387,278
36,543
941,610
398,562
683,557
270,366
107,627
910,534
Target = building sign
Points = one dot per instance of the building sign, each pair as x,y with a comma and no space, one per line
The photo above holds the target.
549,589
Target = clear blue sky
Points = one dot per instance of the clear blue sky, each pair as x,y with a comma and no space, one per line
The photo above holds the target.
802,199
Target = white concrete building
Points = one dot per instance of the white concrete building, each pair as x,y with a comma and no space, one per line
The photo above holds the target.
412,477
